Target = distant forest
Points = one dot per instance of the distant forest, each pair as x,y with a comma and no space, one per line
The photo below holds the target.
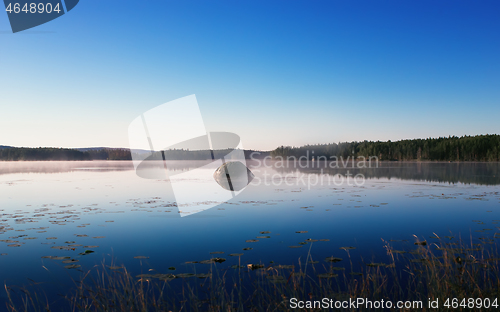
46,153
8,153
466,148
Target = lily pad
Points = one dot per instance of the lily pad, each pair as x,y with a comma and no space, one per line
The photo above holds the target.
376,264
72,266
70,261
255,266
218,260
327,275
203,275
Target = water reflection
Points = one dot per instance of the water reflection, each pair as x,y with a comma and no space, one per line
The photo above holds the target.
480,173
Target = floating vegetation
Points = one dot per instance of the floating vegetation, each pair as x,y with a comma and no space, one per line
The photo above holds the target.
327,275
255,266
51,238
311,240
81,235
216,252
377,264
247,248
263,237
99,237
252,240
55,257
237,266
114,267
218,260
397,251
69,242
301,232
72,266
185,275
203,275
347,248
324,240
276,278
333,259
70,261
90,246
86,252
63,247
265,232
172,268
235,254
422,243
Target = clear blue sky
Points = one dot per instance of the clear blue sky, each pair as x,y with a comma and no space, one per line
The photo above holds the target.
275,72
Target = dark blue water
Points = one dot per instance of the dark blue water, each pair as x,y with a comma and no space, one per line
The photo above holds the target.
74,203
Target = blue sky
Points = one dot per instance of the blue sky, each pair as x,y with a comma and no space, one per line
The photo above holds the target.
275,72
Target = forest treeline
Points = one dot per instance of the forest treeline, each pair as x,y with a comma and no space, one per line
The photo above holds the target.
47,153
466,148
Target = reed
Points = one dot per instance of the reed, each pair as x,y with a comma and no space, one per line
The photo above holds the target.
442,269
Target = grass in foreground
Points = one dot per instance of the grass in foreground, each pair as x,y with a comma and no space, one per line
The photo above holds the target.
444,269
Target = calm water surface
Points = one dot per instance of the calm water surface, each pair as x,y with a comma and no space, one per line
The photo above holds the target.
66,208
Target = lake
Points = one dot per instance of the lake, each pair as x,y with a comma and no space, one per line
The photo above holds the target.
59,219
